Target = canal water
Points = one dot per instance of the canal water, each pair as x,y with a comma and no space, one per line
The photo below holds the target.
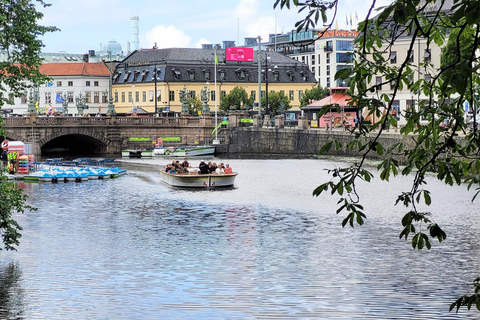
134,248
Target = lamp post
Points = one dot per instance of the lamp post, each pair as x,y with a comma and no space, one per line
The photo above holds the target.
267,110
111,106
156,96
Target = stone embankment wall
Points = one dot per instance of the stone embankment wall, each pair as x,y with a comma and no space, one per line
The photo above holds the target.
297,142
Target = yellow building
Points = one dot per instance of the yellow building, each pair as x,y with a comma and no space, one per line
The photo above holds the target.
134,85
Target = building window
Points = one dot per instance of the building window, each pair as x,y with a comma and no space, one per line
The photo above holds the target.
171,95
144,96
95,83
191,74
70,83
276,75
262,94
378,83
313,70
70,97
410,58
48,97
24,99
291,75
344,45
427,55
253,94
207,74
291,95
105,97
11,98
150,95
318,59
87,83
222,75
130,97
96,97
313,59
328,57
328,82
428,77
393,57
328,70
159,95
116,96
223,94
123,96
192,94
88,97
176,73
59,83
137,96
300,94
344,57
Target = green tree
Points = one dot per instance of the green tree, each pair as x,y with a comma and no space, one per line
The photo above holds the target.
19,70
275,100
195,105
316,93
235,99
450,156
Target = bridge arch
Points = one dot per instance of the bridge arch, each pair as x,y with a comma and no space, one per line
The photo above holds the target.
78,142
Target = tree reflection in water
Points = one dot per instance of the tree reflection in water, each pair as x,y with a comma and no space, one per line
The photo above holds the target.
11,293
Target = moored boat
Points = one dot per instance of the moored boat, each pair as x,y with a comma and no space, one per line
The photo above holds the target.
193,179
190,151
133,153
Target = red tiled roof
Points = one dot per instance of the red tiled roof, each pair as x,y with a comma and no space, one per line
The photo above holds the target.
74,69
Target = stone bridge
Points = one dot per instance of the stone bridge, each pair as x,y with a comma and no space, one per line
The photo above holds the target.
106,135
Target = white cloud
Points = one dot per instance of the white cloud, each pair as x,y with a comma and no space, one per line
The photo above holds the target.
202,41
165,37
246,8
261,27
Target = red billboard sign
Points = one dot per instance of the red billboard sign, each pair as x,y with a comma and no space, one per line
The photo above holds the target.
239,54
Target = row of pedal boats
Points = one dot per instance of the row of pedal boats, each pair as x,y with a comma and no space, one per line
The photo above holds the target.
59,174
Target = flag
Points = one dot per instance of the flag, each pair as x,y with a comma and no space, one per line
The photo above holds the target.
216,58
50,83
50,109
346,18
356,16
59,98
351,20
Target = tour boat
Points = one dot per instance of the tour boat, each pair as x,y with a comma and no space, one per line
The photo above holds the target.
133,153
193,179
189,151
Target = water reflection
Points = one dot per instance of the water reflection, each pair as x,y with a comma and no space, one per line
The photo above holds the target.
11,292
134,248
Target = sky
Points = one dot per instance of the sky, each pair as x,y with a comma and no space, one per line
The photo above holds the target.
89,24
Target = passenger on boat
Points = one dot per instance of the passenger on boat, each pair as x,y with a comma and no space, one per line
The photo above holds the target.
170,168
227,169
185,163
220,169
203,167
212,167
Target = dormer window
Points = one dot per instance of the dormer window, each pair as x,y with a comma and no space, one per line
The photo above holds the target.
223,74
191,74
125,77
176,73
207,74
136,74
242,74
276,75
115,77
290,75
144,75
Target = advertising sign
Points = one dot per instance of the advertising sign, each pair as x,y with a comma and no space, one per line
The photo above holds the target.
238,54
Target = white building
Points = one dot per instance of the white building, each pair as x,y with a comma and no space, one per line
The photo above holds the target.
69,80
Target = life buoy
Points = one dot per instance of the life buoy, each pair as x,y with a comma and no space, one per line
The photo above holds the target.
5,144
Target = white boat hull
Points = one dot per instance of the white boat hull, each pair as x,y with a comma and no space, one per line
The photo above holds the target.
195,180
137,153
193,151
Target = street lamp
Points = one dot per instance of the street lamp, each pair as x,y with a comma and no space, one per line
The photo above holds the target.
156,96
267,110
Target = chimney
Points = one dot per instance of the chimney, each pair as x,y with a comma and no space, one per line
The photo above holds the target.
85,57
91,53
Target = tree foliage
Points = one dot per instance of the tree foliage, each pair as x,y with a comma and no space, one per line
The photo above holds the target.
316,93
19,69
195,105
236,99
275,101
451,155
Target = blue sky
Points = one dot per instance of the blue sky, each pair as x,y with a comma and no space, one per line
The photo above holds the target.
88,24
